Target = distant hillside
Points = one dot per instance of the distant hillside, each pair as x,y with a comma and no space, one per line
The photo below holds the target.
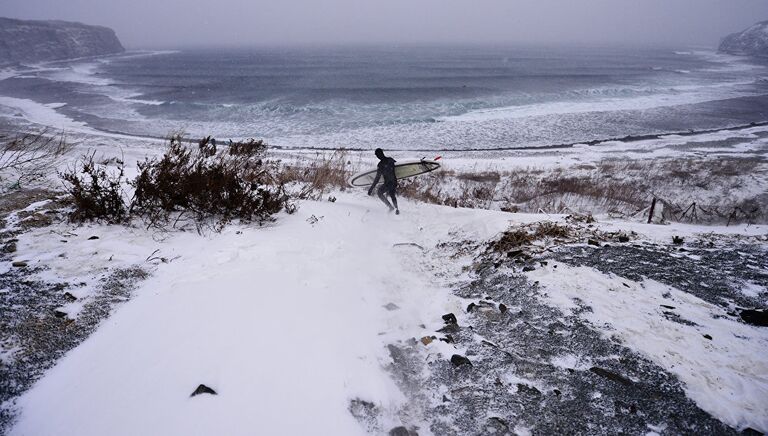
35,41
751,42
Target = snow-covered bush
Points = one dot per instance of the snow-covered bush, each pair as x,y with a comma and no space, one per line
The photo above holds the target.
208,186
97,194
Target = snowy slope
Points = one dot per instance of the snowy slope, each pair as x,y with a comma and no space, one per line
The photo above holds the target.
287,323
291,321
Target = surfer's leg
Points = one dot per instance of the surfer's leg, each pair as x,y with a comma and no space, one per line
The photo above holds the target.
382,190
392,193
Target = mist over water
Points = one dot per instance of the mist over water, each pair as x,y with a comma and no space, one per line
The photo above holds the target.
436,97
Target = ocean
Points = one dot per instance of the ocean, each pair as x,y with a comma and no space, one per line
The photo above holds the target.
404,98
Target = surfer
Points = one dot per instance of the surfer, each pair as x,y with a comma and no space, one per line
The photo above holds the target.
386,169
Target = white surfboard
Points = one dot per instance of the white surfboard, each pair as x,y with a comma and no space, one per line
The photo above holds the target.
403,170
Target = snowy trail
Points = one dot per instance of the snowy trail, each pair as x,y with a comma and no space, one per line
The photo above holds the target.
287,323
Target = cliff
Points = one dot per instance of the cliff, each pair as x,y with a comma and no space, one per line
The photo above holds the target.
751,42
36,41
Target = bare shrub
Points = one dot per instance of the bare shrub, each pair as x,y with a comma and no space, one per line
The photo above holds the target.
203,184
31,156
97,194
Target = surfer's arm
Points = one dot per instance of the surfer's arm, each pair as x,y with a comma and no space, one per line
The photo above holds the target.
375,182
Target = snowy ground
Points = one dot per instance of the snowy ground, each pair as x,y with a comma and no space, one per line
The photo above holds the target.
329,321
296,323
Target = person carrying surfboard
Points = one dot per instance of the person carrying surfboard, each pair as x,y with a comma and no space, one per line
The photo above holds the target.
386,169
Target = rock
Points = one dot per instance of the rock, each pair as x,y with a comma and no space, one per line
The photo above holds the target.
623,238
402,431
36,41
484,306
391,306
754,317
426,340
203,389
448,339
9,247
59,313
751,42
528,268
677,240
498,424
611,376
69,296
666,306
514,253
708,337
503,307
527,390
450,318
19,264
459,360
593,242
93,238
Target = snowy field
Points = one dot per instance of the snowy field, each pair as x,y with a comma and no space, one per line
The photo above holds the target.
289,323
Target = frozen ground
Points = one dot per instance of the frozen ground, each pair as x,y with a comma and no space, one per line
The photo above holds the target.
316,324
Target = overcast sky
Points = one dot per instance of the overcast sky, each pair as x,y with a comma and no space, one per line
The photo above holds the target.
184,23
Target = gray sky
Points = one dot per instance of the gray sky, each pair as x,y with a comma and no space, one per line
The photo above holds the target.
183,23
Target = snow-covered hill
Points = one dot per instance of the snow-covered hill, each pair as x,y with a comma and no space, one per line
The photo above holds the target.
752,41
37,41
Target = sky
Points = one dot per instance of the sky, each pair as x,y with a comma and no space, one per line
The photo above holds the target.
188,23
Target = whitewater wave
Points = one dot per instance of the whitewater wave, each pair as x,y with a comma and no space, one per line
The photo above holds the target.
613,100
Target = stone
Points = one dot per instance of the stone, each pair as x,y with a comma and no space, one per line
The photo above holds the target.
203,389
391,306
593,242
450,318
19,264
59,313
401,431
754,317
459,360
448,339
93,238
69,296
708,337
623,238
528,268
502,307
611,376
527,390
426,340
677,240
9,247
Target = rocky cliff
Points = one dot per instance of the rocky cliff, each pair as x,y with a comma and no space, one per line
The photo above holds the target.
752,41
36,41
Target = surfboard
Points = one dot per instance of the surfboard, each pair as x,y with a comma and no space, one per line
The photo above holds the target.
403,170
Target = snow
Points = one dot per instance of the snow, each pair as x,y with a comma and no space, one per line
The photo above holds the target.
286,322
726,376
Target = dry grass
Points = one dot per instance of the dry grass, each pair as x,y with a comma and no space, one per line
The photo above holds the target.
316,177
619,187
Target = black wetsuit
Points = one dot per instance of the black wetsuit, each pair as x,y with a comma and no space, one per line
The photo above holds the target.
386,169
